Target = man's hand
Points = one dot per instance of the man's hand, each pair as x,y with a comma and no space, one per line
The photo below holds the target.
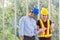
22,37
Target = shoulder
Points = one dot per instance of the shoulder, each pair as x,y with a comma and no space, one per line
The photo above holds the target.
38,20
34,21
51,22
22,18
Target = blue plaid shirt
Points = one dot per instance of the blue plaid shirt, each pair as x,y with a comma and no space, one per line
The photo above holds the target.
27,26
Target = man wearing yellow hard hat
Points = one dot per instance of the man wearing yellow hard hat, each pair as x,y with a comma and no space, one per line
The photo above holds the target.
46,24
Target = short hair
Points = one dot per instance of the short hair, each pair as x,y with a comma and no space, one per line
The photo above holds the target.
31,11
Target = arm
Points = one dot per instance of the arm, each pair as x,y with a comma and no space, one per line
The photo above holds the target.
21,28
52,27
40,30
38,24
37,27
21,37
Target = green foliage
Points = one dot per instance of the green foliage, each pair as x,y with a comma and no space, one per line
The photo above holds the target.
21,11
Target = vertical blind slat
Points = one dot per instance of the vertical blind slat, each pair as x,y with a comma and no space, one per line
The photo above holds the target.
15,15
59,20
26,7
39,8
3,20
49,7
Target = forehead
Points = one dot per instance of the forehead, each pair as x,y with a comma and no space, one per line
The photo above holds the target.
44,15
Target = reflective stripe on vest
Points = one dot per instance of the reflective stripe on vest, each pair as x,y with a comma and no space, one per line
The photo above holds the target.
47,31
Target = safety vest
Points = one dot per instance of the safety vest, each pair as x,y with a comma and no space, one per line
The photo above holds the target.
45,33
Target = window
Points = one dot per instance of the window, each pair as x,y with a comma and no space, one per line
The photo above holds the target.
12,10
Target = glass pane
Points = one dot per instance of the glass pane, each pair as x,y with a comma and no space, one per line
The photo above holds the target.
9,28
21,11
21,8
0,19
32,3
43,3
54,18
9,20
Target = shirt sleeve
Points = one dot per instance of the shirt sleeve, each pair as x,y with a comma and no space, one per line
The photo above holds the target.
38,23
36,31
51,23
21,27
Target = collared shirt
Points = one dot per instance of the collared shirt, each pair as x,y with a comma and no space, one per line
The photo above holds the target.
27,26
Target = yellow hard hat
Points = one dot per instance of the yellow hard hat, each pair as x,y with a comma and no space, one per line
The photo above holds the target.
44,11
